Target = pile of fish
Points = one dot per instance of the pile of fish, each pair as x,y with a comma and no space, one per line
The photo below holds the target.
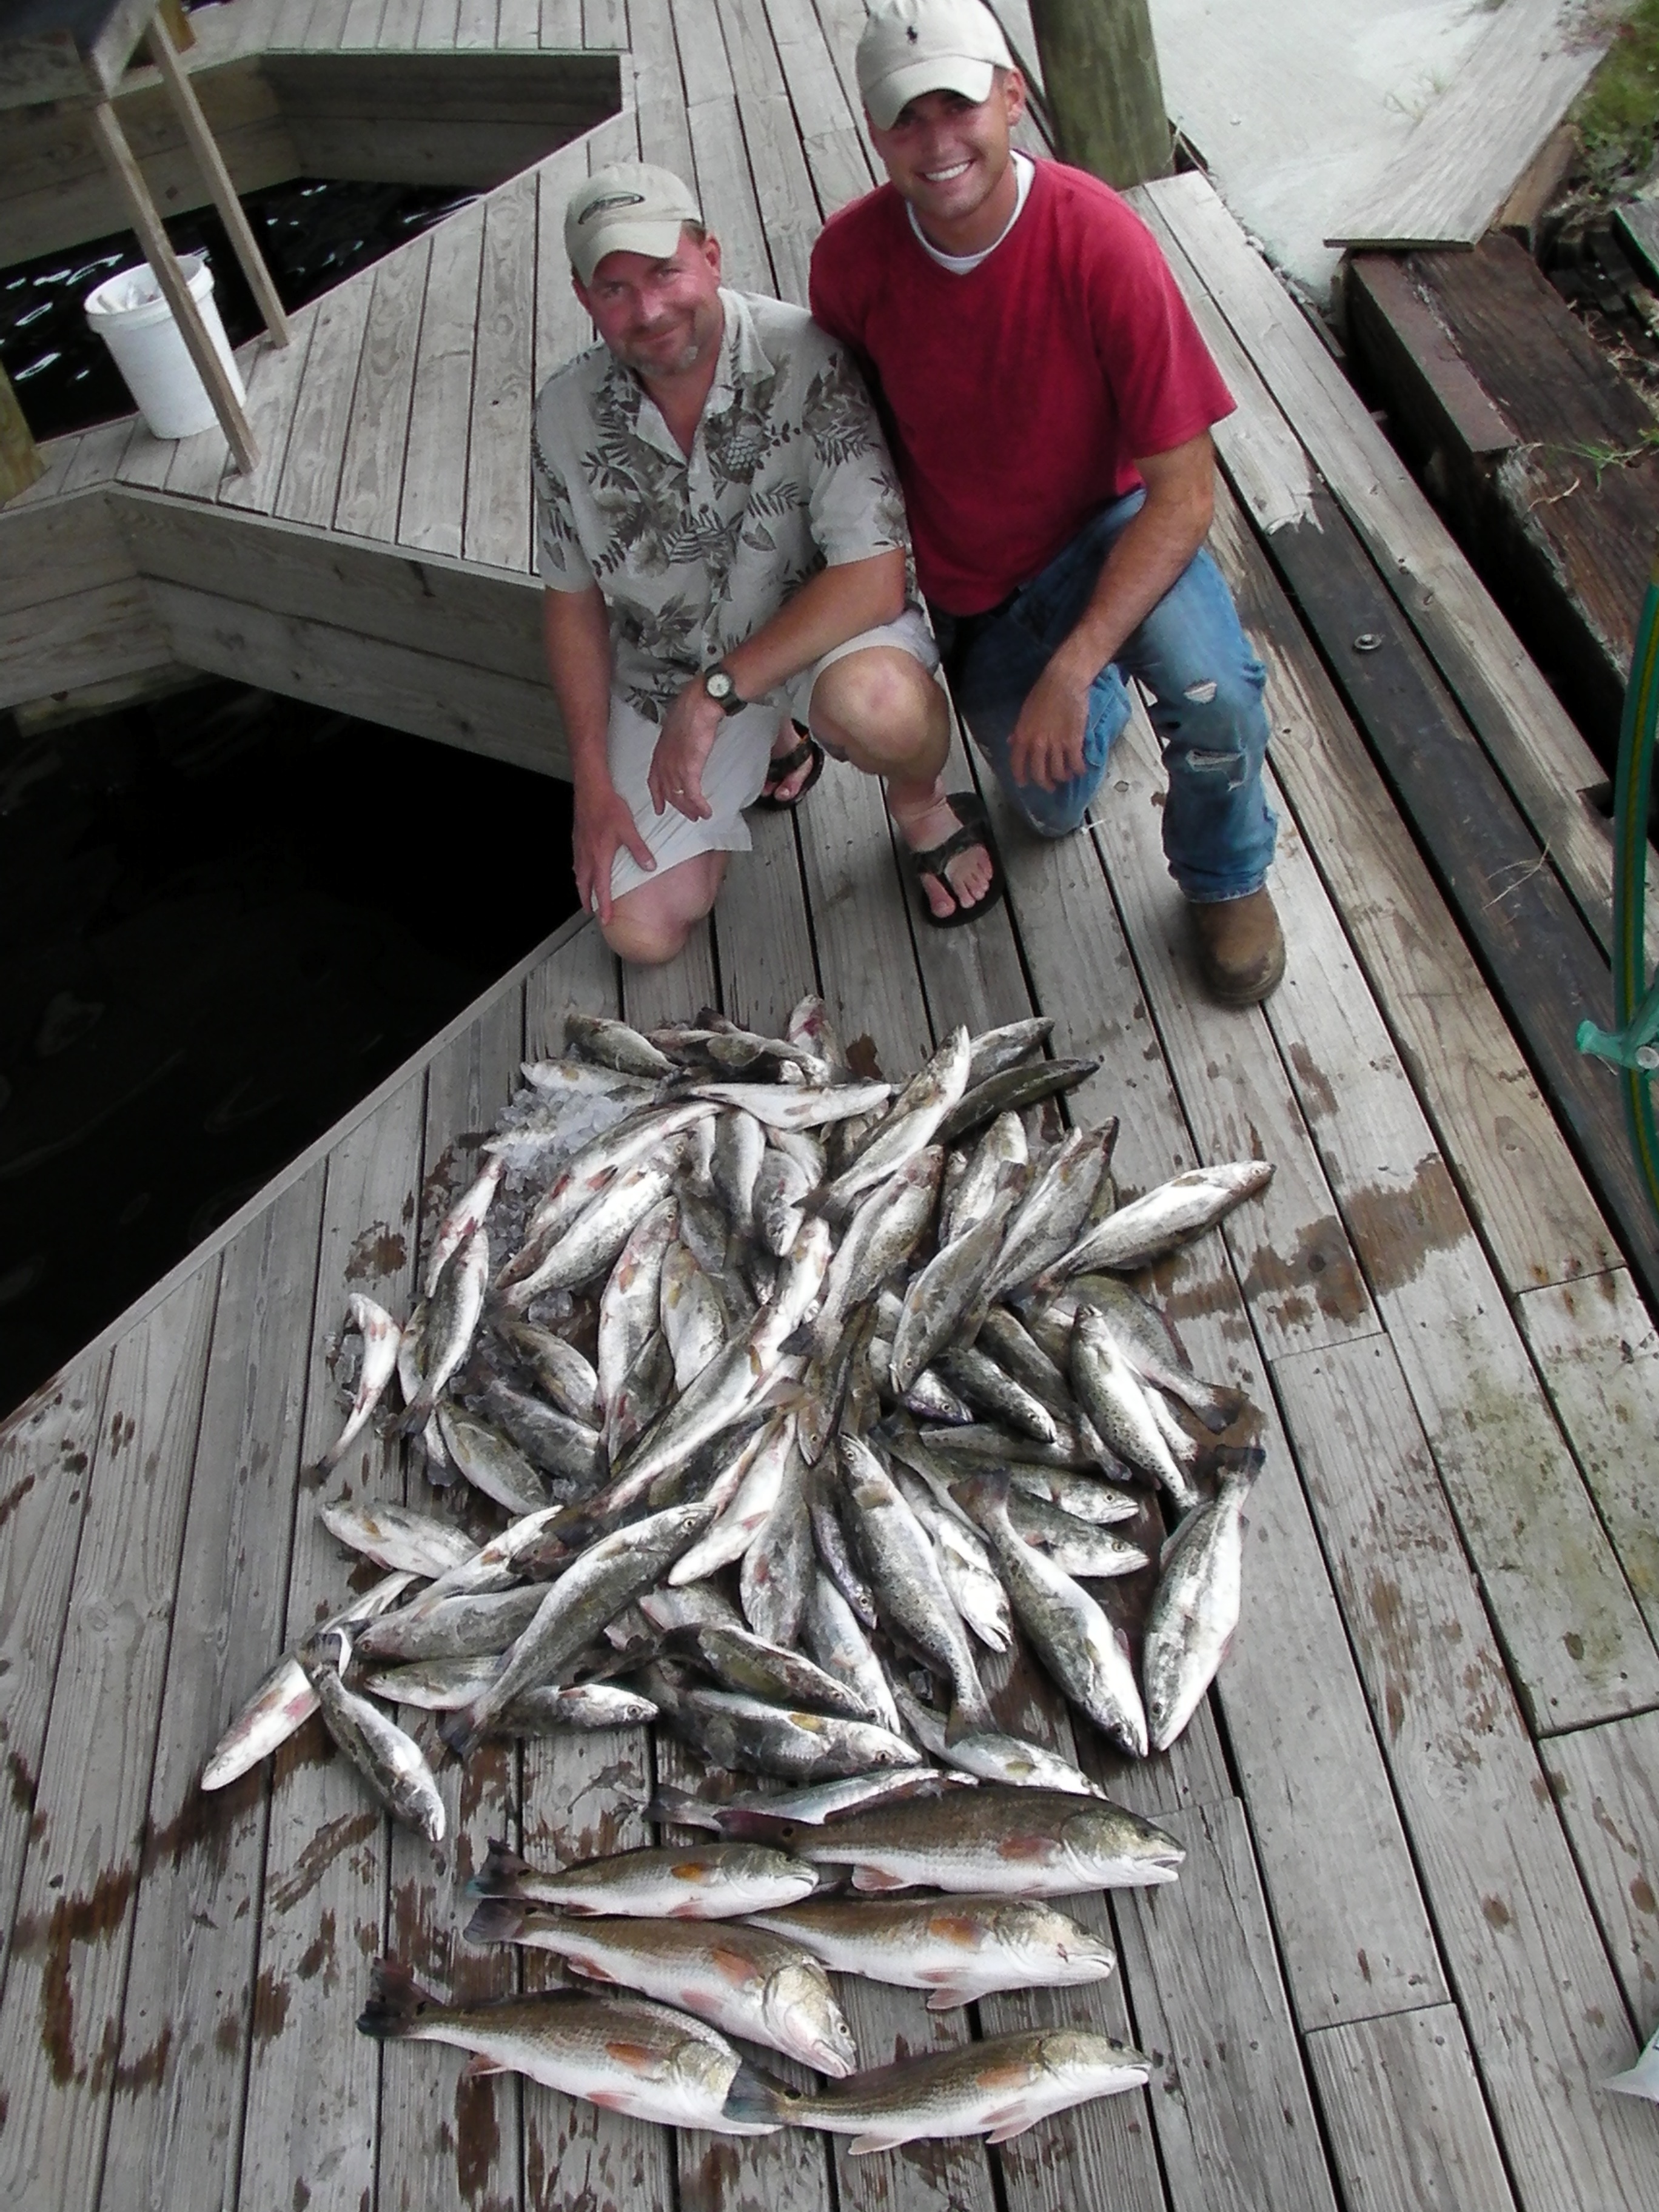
795,1393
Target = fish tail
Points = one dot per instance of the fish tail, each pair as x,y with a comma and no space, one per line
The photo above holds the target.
1216,1404
413,1419
500,1873
396,2002
497,1920
755,2096
460,1731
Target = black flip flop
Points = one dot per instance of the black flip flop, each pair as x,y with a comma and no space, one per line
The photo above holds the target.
969,810
781,766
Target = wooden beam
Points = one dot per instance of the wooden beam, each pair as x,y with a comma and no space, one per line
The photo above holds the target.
216,178
158,252
1101,80
21,464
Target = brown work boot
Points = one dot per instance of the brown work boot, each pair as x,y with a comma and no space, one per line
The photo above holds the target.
1241,948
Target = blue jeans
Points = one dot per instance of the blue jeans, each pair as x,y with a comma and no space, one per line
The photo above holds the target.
1205,686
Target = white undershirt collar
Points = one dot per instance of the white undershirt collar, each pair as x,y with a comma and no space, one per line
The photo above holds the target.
960,264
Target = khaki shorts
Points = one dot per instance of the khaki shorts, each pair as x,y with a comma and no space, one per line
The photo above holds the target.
736,769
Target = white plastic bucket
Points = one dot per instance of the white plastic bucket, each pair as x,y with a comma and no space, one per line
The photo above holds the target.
130,314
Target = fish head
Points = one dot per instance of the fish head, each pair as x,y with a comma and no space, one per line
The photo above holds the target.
802,2017
1089,2064
1098,1829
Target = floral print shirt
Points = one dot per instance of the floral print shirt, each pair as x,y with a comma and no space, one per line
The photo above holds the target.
788,473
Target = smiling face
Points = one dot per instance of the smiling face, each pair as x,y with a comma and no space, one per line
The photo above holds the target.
663,320
949,156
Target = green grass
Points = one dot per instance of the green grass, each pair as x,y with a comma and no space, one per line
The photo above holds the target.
1618,113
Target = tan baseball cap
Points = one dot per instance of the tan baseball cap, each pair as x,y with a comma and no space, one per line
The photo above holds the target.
911,46
629,208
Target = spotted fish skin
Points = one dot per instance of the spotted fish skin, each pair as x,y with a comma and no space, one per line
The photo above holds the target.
996,2088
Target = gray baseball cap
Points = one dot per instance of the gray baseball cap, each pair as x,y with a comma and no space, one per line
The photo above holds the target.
629,208
911,46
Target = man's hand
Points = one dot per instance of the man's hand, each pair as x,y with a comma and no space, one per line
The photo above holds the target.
689,731
604,822
1046,746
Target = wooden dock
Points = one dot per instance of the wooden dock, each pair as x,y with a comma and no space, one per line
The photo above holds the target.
1417,1925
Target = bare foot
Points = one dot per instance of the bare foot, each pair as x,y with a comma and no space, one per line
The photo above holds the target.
968,874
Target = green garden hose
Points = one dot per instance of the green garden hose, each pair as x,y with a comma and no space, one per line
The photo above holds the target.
1632,1048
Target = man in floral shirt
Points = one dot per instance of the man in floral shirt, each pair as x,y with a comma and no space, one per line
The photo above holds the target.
723,542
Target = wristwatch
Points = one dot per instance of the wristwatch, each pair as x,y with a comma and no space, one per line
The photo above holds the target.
722,688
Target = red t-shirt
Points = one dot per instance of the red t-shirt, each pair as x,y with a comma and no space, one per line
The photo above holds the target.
1017,397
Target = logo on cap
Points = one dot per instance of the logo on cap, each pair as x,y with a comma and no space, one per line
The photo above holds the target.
913,34
609,200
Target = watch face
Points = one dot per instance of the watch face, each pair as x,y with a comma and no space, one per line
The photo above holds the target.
717,684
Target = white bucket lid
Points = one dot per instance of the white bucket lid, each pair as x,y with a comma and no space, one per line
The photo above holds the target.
133,296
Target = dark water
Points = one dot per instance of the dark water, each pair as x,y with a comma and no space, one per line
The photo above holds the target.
224,918
314,235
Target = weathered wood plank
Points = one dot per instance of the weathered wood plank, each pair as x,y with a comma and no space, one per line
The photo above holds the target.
1308,1765
433,2122
431,606
1301,1281
860,926
680,987
377,434
437,24
362,26
58,454
176,2128
498,495
725,185
431,697
1401,2106
1261,453
1595,1347
273,398
310,469
60,2022
605,24
1528,1198
1574,1636
1522,1949
88,638
400,27
1460,164
659,92
1606,1782
518,27
475,26
433,513
1540,754
96,459
46,1449
311,2129
582,973
1235,2121
783,188
827,123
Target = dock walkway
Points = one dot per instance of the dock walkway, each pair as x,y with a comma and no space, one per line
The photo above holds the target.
1415,1926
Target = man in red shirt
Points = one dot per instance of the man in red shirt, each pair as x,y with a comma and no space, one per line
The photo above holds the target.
1048,400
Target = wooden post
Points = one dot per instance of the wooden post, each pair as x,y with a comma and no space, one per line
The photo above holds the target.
19,457
1101,80
158,252
210,162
